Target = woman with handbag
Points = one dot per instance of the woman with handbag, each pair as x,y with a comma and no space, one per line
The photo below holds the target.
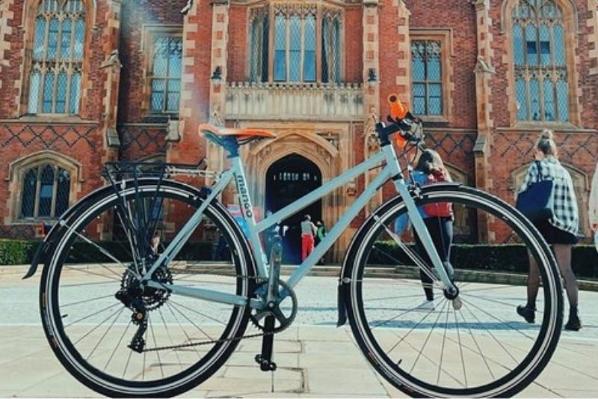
547,198
438,219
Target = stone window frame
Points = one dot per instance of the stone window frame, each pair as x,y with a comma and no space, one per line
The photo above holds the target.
570,18
149,31
16,178
269,8
445,37
30,13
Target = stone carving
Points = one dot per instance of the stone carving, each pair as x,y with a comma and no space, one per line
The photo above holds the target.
371,138
216,117
483,67
112,61
187,7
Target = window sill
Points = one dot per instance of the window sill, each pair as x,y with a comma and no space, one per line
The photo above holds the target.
564,127
52,118
160,118
32,222
433,118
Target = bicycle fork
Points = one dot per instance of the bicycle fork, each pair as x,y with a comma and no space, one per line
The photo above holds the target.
442,271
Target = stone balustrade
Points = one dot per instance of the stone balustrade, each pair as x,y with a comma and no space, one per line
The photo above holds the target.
288,101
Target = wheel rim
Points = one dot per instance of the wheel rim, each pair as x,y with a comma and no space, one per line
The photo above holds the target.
408,374
170,314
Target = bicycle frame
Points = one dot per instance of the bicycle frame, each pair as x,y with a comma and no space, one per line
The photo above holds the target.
391,170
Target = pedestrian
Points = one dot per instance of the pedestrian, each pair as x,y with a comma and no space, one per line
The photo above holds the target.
320,231
308,230
438,218
560,229
320,234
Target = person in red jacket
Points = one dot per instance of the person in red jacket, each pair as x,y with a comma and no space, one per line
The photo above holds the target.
438,219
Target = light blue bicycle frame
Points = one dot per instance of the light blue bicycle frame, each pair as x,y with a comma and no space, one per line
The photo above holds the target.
392,170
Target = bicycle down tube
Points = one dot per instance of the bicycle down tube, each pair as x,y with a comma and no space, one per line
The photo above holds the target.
390,170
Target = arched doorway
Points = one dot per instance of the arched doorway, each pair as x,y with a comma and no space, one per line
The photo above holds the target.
287,180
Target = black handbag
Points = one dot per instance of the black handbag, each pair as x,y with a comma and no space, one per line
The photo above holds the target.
535,202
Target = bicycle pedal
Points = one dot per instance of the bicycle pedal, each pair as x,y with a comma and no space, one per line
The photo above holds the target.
265,364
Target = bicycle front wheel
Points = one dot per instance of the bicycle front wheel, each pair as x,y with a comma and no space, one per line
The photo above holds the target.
424,340
123,339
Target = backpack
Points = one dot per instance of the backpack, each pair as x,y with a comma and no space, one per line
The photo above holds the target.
440,209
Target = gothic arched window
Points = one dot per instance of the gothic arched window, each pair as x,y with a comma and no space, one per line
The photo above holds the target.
45,192
166,67
57,57
541,81
293,40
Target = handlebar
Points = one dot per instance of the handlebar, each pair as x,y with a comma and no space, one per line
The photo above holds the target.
400,121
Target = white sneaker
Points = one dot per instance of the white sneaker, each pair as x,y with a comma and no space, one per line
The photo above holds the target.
426,305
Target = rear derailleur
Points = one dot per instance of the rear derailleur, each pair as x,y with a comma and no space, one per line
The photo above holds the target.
141,300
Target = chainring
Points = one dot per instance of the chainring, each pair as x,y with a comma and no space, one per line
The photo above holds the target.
283,320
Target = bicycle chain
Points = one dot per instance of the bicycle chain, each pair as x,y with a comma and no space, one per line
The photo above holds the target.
207,342
257,279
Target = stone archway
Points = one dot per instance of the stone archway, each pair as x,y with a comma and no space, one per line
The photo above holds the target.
287,180
303,143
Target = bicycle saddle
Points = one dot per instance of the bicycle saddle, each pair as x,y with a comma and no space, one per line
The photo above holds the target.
241,134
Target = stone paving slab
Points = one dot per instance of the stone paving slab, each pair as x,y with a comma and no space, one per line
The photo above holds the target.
315,359
325,372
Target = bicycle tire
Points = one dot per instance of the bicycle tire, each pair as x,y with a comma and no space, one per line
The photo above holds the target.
352,280
110,385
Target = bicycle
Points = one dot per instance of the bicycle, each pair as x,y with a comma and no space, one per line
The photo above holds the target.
124,268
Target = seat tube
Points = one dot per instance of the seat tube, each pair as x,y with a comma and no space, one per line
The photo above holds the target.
246,207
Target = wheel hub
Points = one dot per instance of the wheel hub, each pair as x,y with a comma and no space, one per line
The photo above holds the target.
132,291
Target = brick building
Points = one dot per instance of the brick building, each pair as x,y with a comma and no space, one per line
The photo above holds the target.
87,81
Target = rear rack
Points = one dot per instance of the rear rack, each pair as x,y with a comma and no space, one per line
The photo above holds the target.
133,170
141,213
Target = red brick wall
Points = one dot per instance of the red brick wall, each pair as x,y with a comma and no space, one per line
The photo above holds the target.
191,148
458,16
388,23
237,43
353,50
81,141
135,14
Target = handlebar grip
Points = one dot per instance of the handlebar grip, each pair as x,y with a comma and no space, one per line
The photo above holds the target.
397,109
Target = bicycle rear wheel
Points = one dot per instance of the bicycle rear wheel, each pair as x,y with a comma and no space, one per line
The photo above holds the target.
90,302
475,345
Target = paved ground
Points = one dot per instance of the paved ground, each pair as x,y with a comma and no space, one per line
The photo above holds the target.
314,358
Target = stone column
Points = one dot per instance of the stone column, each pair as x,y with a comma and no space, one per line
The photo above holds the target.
185,144
371,62
403,77
593,37
483,74
111,66
6,14
214,153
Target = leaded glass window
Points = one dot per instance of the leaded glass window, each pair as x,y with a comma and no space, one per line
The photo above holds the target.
45,192
295,47
57,57
426,70
165,78
259,47
331,46
541,82
296,33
